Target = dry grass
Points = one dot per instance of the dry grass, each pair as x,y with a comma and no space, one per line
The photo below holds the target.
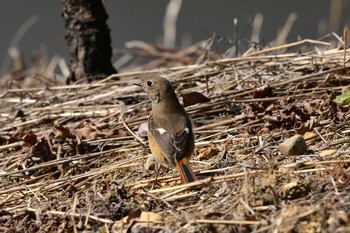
72,158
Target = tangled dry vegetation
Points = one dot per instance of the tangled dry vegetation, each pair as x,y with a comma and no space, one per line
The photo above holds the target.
72,157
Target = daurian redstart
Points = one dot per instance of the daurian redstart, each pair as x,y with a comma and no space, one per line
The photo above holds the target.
170,132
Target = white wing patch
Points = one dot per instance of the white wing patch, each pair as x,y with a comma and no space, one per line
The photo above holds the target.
161,130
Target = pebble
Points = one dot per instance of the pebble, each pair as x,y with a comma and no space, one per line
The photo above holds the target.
293,146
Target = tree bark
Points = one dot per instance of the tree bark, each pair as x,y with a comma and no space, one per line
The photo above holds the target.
88,37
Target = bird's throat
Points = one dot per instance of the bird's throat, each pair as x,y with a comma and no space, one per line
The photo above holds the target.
155,99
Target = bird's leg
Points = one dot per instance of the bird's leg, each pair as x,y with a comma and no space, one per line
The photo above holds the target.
157,173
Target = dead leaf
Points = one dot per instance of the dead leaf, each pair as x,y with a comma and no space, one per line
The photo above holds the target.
62,132
30,139
19,134
145,218
122,133
42,150
133,214
149,217
110,132
86,133
307,126
310,137
327,153
193,98
307,107
206,153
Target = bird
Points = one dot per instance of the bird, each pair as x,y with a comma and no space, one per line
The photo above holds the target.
170,133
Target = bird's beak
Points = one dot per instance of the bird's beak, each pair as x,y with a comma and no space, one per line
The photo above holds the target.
138,84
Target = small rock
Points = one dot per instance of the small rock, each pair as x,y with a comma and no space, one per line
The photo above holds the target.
293,146
151,163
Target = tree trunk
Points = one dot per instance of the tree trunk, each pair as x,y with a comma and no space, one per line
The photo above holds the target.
88,38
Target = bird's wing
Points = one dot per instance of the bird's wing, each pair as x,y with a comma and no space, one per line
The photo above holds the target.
173,143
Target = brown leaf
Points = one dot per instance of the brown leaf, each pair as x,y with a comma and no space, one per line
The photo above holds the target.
30,139
19,134
307,107
41,151
134,214
207,153
122,132
62,132
307,126
193,98
41,146
86,133
327,153
145,217
108,132
310,137
132,217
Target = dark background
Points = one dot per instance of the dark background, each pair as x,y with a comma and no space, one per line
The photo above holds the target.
143,20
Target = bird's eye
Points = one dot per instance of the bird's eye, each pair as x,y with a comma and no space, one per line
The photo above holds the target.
149,83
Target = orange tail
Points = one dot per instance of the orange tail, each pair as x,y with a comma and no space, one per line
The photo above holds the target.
186,173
